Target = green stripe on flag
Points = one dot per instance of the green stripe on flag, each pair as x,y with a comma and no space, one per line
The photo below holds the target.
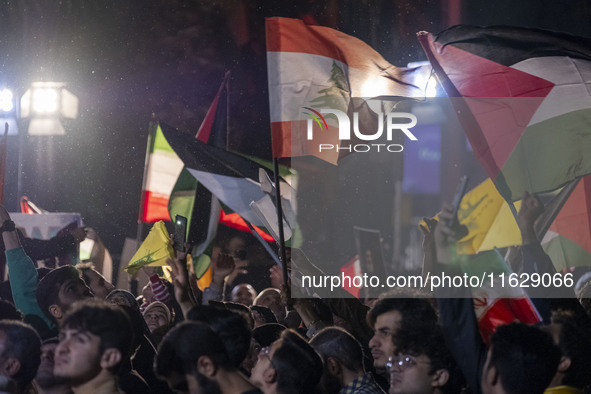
159,142
550,153
565,253
182,198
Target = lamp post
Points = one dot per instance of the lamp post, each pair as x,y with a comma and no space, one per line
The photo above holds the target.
41,111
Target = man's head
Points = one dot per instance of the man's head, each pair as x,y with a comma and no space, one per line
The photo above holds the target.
243,294
422,363
20,352
231,327
58,290
157,315
290,365
45,378
521,359
390,314
342,355
574,340
190,357
271,298
94,339
97,283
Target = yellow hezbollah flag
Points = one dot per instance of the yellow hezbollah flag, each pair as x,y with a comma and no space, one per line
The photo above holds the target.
154,250
489,220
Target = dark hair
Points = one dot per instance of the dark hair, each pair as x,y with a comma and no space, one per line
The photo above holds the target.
184,344
525,358
9,312
414,311
266,334
231,327
575,343
338,343
242,310
265,313
48,289
430,342
296,363
107,321
23,343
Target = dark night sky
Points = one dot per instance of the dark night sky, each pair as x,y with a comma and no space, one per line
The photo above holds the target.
128,59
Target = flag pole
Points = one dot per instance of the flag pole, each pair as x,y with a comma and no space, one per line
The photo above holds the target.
264,243
140,221
280,219
133,283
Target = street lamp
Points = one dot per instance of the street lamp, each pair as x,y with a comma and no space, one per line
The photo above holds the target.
44,105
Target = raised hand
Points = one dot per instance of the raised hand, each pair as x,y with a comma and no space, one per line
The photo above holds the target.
531,209
180,280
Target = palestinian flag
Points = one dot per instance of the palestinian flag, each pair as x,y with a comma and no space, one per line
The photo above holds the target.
160,174
214,128
568,240
231,178
526,106
315,67
495,304
193,200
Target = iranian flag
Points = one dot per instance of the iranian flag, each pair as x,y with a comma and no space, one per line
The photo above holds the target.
315,67
526,106
568,239
496,302
162,169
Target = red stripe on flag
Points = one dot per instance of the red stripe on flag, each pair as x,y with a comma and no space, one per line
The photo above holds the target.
155,207
235,221
505,311
205,129
292,35
350,270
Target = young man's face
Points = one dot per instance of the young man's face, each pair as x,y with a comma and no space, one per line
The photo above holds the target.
263,365
77,356
381,344
45,377
155,318
410,375
72,290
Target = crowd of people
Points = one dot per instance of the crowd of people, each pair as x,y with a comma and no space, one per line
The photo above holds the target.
66,329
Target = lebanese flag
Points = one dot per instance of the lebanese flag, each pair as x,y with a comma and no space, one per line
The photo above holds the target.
495,304
162,169
315,67
568,239
526,104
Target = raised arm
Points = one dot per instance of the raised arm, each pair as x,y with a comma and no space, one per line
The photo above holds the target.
23,275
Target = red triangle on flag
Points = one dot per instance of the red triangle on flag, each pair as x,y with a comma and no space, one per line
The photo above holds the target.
574,219
502,99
